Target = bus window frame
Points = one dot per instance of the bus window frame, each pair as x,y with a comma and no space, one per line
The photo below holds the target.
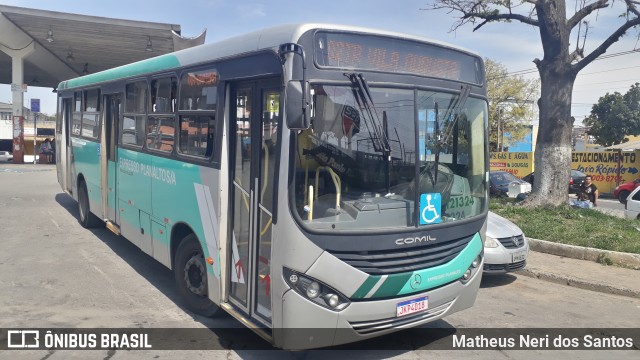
214,160
98,113
149,113
125,113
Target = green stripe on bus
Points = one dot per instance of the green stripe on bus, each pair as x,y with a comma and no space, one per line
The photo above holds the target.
421,280
163,62
392,285
364,289
408,283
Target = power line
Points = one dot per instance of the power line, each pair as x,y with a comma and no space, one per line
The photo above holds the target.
534,70
608,82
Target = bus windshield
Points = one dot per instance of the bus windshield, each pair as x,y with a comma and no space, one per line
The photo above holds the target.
373,165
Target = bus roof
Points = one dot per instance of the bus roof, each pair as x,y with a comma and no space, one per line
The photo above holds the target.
270,38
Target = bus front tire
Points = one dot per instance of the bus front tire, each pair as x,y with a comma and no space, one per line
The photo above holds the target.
85,217
190,272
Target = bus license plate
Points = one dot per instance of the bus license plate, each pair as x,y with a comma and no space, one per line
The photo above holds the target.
412,306
519,256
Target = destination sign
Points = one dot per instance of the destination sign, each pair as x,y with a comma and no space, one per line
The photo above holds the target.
366,52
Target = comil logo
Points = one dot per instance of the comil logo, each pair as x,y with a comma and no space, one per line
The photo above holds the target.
23,339
412,240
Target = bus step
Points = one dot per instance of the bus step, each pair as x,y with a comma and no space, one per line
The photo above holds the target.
229,308
113,227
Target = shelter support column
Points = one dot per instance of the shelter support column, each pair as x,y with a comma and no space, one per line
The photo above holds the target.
17,90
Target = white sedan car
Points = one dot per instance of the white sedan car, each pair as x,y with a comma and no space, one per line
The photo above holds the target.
632,206
505,247
5,156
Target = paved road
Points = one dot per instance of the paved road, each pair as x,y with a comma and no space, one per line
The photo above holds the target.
54,273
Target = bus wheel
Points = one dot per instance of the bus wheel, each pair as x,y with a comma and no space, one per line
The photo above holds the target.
191,276
86,218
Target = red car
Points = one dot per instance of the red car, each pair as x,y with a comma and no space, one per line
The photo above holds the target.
622,191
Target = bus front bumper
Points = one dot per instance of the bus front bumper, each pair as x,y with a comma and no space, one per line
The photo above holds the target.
307,325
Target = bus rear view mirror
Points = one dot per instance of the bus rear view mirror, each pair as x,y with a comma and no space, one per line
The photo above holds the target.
297,105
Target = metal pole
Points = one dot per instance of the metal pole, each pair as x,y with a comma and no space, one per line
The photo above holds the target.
35,132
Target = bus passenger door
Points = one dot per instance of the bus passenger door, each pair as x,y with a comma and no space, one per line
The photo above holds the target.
253,140
112,103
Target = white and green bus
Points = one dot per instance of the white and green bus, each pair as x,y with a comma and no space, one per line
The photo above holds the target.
301,177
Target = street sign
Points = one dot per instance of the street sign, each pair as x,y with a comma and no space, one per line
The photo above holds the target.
35,105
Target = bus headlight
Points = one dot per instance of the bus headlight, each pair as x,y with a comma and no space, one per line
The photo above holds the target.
315,291
476,262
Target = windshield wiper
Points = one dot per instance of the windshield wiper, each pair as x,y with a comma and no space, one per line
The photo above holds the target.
453,110
379,137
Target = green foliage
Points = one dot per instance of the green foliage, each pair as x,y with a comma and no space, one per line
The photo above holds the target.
567,225
511,102
615,117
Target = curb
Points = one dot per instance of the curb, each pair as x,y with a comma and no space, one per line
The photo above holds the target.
582,284
627,260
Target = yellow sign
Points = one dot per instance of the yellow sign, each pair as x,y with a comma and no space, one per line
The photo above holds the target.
519,164
608,168
273,103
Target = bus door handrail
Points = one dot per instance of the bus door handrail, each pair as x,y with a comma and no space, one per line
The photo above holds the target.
336,182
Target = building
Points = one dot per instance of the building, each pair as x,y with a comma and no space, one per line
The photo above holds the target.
45,128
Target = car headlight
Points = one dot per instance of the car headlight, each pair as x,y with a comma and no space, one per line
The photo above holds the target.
315,291
490,242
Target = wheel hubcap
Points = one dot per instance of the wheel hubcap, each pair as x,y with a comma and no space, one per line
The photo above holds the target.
195,276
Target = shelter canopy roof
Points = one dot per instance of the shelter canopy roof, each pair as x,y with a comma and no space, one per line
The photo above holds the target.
80,43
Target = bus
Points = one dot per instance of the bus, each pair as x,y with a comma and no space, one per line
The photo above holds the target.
304,177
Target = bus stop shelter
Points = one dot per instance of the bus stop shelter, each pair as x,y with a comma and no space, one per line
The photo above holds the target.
42,48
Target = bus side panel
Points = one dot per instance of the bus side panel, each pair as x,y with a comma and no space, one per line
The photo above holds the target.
188,194
86,158
134,196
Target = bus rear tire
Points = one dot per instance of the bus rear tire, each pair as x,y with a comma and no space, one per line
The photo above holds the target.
190,272
85,217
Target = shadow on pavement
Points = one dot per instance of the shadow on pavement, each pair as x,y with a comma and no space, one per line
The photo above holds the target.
154,272
490,281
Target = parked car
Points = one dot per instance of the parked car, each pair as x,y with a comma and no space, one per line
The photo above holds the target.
632,205
575,180
6,156
499,182
622,191
505,246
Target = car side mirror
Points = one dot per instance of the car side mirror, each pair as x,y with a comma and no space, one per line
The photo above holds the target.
297,104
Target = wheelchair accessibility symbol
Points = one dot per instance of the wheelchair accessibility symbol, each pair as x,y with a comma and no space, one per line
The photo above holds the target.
430,207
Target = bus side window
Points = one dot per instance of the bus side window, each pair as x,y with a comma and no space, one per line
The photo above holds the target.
133,129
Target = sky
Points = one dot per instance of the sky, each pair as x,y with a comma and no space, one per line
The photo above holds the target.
513,44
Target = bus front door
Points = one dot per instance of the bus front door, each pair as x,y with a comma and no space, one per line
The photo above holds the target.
253,140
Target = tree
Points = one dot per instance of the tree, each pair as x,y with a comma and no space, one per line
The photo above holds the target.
615,117
558,70
510,103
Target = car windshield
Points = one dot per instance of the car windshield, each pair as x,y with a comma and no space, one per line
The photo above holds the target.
577,174
368,166
502,178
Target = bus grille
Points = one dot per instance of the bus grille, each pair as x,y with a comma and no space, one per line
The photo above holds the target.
512,242
393,261
374,326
